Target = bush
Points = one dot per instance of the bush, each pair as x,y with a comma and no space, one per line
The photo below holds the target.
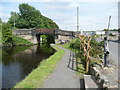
96,48
6,34
75,44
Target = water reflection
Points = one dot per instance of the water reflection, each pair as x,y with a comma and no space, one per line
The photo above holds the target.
16,66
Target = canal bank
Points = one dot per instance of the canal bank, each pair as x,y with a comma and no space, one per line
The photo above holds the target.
37,77
17,62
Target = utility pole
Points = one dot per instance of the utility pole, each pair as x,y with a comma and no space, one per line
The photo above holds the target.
77,19
106,48
108,25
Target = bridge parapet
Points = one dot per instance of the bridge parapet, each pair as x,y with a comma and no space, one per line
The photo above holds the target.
21,31
42,31
66,33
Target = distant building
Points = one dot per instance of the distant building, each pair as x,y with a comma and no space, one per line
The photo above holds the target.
100,32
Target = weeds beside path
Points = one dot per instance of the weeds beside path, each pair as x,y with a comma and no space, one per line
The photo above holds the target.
64,75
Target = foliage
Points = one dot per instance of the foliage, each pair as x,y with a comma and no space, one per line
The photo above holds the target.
0,37
0,20
47,39
29,17
96,52
80,66
0,31
111,30
6,34
114,30
75,44
105,30
20,41
14,19
9,39
96,48
50,39
46,48
44,39
71,45
37,77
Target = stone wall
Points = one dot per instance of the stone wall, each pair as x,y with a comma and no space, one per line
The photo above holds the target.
65,38
29,38
102,77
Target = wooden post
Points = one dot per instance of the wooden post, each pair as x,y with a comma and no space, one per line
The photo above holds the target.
85,44
88,56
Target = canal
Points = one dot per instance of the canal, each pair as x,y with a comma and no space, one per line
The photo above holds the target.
18,62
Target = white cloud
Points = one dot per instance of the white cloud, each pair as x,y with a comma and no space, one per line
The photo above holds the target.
4,17
96,23
93,16
74,5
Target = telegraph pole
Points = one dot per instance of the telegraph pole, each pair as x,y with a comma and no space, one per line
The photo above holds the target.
77,19
108,25
106,48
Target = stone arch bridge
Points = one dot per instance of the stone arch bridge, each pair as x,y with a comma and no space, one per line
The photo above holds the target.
33,35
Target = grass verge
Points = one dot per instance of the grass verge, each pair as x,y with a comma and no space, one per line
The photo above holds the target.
79,63
20,41
66,46
37,77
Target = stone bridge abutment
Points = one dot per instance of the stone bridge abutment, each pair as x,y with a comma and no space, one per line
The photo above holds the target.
34,35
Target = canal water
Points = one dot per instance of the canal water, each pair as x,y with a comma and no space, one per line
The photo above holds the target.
18,62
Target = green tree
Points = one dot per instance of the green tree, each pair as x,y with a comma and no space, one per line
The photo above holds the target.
14,19
6,34
105,30
29,17
0,24
0,30
0,20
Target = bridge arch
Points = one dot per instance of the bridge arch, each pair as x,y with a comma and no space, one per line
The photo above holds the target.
33,35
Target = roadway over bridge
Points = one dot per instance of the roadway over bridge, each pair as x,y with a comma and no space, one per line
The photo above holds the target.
30,34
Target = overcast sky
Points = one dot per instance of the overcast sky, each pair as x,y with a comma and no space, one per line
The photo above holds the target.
92,15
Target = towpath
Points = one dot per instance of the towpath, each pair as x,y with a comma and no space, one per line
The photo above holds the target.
64,75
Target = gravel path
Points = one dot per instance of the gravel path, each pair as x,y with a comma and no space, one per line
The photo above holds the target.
64,75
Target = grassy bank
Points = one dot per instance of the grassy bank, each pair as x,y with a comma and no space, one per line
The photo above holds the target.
37,77
68,45
20,41
15,41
